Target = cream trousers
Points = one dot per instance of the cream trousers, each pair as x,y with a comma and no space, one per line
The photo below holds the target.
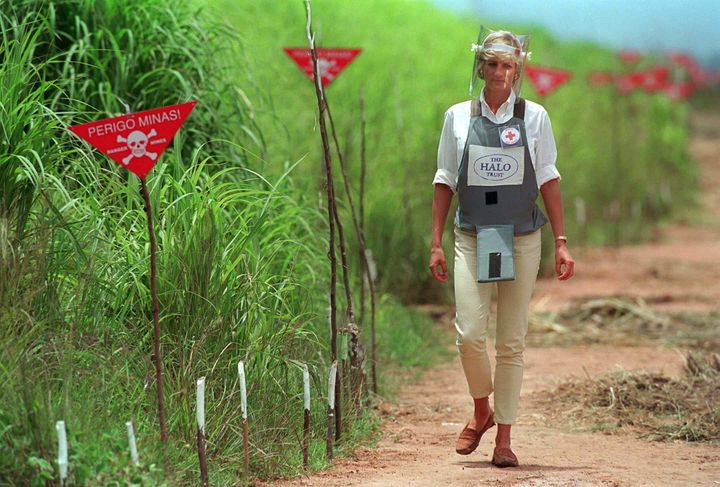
472,300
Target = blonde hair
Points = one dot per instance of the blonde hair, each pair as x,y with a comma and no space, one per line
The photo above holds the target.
487,53
501,37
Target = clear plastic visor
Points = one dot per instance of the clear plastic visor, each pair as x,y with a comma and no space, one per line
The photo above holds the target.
519,55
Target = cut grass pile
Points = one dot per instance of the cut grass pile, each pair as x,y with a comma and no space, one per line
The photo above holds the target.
650,404
621,321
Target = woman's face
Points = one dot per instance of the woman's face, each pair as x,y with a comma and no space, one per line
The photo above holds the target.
499,75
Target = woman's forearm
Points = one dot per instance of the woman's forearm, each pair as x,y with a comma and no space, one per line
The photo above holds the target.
552,197
564,263
441,206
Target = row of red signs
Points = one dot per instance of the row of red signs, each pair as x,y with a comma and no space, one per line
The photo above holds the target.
678,78
545,80
655,79
678,82
694,71
136,140
331,62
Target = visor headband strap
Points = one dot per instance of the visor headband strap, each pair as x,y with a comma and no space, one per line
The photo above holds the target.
515,51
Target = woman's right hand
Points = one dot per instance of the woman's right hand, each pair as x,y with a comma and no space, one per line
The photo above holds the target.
438,265
441,204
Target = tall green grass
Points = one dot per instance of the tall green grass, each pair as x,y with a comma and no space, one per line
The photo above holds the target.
242,266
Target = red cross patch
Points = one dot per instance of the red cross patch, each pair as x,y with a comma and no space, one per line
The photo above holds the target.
510,136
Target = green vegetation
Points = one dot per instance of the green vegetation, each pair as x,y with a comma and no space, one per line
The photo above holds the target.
242,267
623,159
243,273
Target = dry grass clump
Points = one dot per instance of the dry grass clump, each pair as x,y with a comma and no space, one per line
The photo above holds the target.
653,405
623,321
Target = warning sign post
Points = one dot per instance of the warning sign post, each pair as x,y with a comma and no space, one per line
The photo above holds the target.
136,141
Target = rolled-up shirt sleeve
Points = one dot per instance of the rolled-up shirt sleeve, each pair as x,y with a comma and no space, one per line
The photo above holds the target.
447,165
545,153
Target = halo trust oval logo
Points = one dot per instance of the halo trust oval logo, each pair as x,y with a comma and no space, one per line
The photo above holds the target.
496,167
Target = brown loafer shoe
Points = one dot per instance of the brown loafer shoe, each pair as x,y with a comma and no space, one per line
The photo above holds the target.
469,438
504,457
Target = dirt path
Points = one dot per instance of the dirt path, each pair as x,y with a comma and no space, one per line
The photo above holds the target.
420,431
680,271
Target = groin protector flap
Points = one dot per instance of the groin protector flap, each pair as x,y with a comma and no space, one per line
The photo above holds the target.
495,253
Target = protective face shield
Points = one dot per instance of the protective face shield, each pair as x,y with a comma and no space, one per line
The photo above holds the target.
487,47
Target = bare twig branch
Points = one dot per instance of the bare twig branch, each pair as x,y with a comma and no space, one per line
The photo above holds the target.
363,248
322,108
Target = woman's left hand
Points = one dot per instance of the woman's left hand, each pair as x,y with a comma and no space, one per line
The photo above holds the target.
564,263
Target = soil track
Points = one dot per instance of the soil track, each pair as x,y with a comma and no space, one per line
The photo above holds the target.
678,272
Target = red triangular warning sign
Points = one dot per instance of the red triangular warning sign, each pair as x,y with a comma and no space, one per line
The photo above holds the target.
630,57
546,80
599,78
679,91
655,78
697,74
331,62
629,82
136,141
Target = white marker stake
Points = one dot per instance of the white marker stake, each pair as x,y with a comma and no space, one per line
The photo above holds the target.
133,446
201,404
243,389
62,451
331,411
372,266
306,415
201,431
306,387
331,385
243,408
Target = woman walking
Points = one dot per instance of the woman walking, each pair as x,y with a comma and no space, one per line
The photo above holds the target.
496,153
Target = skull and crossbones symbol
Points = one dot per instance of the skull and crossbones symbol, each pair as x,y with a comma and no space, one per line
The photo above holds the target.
326,66
137,143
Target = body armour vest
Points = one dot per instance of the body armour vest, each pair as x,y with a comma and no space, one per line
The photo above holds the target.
496,179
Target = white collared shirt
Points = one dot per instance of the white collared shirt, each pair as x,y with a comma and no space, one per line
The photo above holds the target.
455,130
